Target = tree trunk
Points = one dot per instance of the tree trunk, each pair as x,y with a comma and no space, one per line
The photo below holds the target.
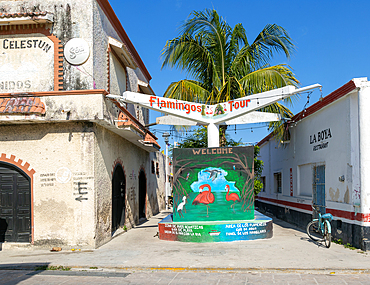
223,135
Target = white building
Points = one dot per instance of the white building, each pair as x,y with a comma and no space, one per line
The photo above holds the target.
325,160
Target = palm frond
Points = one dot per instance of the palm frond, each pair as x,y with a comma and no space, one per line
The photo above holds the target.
187,90
217,33
268,78
231,90
224,66
273,38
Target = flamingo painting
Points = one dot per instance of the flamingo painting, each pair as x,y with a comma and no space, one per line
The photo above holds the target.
231,197
204,197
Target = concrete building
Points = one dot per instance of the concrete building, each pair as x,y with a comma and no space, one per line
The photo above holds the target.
75,167
324,159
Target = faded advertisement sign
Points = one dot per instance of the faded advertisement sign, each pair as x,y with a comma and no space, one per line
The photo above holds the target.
26,63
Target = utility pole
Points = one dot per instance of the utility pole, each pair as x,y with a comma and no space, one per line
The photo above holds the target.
166,185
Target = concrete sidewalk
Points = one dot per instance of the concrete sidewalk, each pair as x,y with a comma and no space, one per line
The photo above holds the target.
290,250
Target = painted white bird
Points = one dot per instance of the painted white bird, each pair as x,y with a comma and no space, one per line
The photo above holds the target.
181,206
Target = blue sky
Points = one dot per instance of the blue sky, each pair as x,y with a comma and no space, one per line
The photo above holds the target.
332,40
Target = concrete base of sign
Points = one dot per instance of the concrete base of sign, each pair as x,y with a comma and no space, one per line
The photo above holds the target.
258,228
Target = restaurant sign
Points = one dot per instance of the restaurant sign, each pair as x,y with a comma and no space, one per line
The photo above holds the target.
320,139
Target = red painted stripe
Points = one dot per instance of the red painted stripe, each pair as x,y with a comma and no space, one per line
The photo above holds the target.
287,203
336,213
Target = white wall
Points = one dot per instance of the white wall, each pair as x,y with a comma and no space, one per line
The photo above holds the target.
340,156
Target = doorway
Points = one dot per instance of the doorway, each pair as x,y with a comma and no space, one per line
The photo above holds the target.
142,194
118,198
319,187
15,205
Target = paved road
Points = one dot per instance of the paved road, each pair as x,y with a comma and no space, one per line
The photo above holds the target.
289,257
172,277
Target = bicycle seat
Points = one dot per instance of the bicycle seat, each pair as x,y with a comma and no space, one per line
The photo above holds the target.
327,216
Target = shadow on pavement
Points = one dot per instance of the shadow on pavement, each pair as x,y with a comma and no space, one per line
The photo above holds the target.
142,226
15,273
318,243
24,266
286,225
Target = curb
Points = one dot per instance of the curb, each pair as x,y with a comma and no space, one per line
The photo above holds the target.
323,271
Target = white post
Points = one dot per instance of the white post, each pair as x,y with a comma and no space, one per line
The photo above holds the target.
213,135
166,186
166,174
360,199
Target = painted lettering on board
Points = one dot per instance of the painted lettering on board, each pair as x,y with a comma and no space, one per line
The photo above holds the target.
204,110
205,151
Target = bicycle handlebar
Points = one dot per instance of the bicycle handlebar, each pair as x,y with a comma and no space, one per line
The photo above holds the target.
315,207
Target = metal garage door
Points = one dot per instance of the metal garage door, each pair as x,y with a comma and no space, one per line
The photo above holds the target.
15,205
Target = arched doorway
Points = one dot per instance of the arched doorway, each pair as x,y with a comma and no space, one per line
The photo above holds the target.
15,204
142,194
118,198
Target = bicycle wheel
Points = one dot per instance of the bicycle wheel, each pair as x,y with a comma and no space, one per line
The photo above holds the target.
327,236
313,231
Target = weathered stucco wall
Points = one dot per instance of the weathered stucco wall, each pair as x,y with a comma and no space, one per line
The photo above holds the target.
80,19
62,156
111,149
72,19
102,30
156,184
72,186
74,142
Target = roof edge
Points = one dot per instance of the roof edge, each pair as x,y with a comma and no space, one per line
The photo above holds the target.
325,101
54,93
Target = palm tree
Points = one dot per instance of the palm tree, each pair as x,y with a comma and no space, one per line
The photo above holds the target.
223,65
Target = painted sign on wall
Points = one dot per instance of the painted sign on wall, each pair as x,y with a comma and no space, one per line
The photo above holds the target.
76,51
26,63
213,184
321,138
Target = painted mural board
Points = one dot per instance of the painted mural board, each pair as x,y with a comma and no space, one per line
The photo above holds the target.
213,184
223,231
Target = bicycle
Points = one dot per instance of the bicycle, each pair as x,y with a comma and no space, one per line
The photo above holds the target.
320,229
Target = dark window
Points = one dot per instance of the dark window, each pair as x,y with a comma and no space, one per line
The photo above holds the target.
157,168
153,167
263,181
277,182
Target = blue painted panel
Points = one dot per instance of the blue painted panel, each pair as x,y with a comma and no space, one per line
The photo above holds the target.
319,187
